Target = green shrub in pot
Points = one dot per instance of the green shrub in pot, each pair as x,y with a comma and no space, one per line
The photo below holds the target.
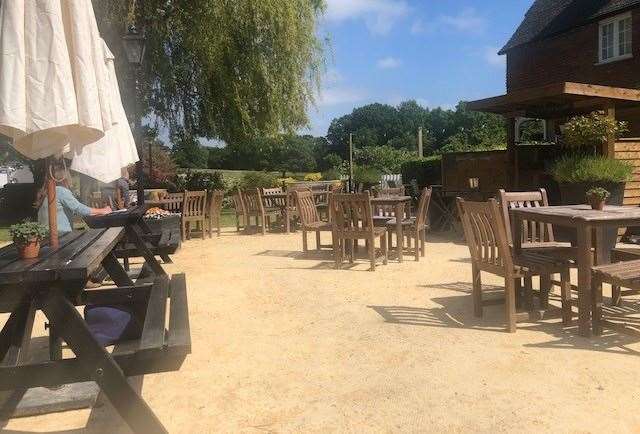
27,237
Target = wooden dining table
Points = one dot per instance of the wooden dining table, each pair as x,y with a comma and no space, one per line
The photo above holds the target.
591,227
399,205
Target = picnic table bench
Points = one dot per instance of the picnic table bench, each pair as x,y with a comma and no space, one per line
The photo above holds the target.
55,283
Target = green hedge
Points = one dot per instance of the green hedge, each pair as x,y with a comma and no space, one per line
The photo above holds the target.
426,171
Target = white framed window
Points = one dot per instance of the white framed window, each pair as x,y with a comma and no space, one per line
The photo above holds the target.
616,40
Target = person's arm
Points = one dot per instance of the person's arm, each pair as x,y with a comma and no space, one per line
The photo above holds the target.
75,206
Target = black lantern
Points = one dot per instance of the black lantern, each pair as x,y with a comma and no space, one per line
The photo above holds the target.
134,46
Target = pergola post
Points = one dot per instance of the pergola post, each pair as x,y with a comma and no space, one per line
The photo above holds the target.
512,153
610,146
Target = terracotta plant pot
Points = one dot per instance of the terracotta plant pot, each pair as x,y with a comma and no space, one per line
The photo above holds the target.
597,204
30,250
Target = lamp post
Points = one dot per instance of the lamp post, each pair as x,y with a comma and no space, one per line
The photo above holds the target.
134,47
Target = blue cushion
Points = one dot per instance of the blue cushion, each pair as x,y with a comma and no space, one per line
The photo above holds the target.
111,324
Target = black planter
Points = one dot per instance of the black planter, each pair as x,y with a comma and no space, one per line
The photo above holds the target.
576,194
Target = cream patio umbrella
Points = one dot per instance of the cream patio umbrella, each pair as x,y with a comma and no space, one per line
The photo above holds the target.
58,92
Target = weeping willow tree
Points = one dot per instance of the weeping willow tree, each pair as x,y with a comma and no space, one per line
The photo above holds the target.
221,69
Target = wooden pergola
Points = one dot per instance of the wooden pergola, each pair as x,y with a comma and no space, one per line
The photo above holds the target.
553,103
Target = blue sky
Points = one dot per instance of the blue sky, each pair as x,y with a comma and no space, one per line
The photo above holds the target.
437,52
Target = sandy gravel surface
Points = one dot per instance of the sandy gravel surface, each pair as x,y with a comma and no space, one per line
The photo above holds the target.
282,342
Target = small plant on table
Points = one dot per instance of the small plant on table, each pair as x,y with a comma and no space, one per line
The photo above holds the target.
27,237
598,197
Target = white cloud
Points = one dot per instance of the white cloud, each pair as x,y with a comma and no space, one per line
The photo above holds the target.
467,21
333,96
379,15
492,57
389,63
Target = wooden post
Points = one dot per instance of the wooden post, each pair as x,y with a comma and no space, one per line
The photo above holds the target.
52,203
512,170
610,147
351,180
420,144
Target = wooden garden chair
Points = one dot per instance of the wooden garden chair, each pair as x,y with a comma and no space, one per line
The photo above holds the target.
193,211
173,202
240,210
254,206
214,209
415,227
538,237
486,236
310,220
353,221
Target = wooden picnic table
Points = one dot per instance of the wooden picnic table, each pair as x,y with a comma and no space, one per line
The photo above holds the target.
55,283
590,226
399,204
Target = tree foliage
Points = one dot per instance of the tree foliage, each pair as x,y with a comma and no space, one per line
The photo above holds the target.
397,127
224,69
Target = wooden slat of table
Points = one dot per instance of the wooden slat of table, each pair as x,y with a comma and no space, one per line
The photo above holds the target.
570,214
74,260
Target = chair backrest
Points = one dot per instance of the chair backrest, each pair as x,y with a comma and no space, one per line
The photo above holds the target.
216,198
273,202
194,204
485,233
172,202
306,206
253,201
399,191
532,232
352,213
238,202
422,213
336,188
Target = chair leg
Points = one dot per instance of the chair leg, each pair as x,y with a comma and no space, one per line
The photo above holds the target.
371,244
263,219
237,223
528,293
338,251
417,246
596,306
352,250
565,291
518,291
318,240
385,248
510,304
304,241
477,291
219,229
423,239
545,289
616,295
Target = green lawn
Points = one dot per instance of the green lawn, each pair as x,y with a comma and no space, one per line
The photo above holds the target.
4,235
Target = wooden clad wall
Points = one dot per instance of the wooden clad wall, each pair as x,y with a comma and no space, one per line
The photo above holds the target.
629,150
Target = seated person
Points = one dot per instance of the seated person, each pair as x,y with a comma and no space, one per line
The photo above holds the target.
67,204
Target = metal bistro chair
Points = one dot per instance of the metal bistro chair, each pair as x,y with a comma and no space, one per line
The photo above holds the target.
486,237
193,211
214,208
240,210
310,220
353,221
415,227
254,206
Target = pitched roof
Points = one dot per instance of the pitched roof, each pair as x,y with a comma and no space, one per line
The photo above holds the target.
550,17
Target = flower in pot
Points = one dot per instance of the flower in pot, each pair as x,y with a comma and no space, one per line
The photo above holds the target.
27,237
597,197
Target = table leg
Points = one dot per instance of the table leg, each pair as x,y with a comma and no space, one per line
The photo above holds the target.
399,235
99,364
603,256
584,263
148,256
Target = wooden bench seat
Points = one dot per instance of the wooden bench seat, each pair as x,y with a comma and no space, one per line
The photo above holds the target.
160,349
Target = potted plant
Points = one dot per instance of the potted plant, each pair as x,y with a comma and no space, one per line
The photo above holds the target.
27,237
366,177
597,197
585,166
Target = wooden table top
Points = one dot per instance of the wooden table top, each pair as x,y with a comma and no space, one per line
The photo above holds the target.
117,218
79,255
390,200
580,214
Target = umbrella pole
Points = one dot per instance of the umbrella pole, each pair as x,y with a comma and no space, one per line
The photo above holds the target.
53,206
